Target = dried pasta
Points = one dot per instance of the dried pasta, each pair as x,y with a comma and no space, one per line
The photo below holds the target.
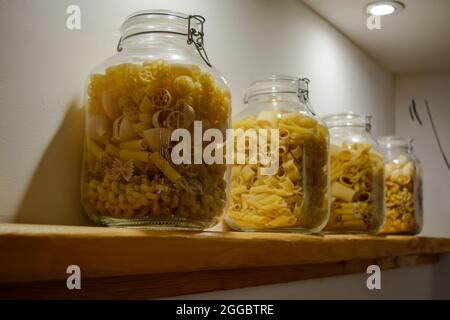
295,197
401,180
128,170
357,178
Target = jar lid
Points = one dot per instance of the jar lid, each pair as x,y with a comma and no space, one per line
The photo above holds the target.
148,21
348,119
165,21
279,84
274,84
395,142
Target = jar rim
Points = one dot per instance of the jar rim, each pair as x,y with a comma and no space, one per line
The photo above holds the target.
159,20
395,141
347,119
166,22
272,84
274,77
161,12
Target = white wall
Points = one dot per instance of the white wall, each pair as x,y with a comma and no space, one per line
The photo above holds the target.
43,66
436,89
422,282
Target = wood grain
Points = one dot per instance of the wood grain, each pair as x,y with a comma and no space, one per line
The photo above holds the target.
175,284
38,253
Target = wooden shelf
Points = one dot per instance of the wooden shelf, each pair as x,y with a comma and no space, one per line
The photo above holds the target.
125,263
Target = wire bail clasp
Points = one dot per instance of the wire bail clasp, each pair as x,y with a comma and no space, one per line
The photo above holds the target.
368,123
303,89
303,93
119,45
196,37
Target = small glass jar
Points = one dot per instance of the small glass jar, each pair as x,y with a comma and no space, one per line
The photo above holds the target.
291,193
160,81
357,176
404,214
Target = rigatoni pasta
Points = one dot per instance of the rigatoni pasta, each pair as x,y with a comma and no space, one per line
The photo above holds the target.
357,181
294,197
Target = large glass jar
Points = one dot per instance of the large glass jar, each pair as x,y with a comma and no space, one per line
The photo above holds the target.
290,191
357,176
160,81
404,214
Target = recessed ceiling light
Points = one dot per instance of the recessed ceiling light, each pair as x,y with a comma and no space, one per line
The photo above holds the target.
383,8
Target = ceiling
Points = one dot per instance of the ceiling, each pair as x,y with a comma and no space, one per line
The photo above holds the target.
416,40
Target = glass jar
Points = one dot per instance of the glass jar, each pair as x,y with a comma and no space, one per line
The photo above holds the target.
160,81
357,176
290,191
404,214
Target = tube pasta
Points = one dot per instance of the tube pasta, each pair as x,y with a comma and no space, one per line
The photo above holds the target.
363,196
357,178
294,197
157,118
188,115
339,191
345,181
267,119
140,126
99,128
165,167
142,156
146,119
284,134
157,138
353,217
94,149
282,221
123,129
139,144
247,173
112,150
401,181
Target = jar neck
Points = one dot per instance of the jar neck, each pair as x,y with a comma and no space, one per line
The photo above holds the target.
350,122
399,149
149,40
280,99
352,129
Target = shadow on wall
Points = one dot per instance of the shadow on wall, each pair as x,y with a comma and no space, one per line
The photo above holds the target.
441,278
53,196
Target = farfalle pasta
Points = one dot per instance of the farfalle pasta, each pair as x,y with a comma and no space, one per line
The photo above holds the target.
357,180
132,110
295,196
